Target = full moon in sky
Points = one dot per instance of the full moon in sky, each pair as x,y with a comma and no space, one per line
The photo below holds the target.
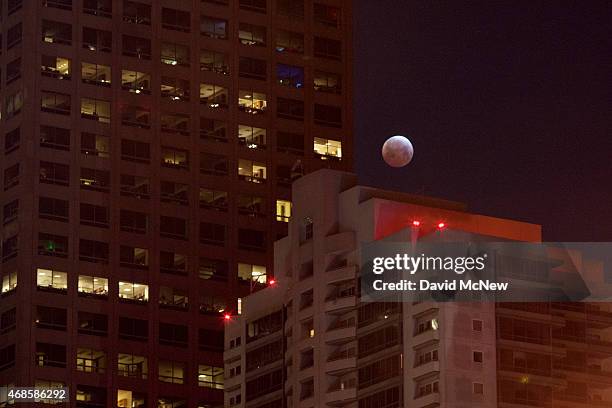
397,151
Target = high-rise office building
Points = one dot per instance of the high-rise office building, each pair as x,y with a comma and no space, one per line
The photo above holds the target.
309,341
147,152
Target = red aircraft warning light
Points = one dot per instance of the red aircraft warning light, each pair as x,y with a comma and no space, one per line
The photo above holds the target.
272,282
416,223
227,316
441,225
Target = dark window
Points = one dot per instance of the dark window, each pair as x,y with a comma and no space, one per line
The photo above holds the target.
50,355
327,82
96,74
8,322
327,15
53,209
327,115
135,81
14,34
175,123
290,142
213,164
90,397
213,27
252,206
97,40
289,41
175,54
252,68
173,335
211,340
94,179
290,109
136,47
52,245
173,263
11,176
175,20
51,318
132,221
253,35
135,258
251,239
13,70
258,6
95,145
12,139
136,13
10,211
10,249
135,186
55,138
132,150
136,116
175,89
265,384
212,234
213,199
213,129
379,371
174,192
327,48
94,215
172,227
290,8
54,102
102,8
7,357
214,61
133,329
290,75
92,323
13,6
215,269
93,251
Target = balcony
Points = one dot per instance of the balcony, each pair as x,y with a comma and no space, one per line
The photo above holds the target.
426,336
340,335
340,304
341,274
430,400
342,241
341,363
341,392
426,368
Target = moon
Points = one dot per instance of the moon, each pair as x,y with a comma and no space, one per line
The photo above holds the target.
397,151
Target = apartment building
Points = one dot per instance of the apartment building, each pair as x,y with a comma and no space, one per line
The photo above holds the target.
148,147
308,340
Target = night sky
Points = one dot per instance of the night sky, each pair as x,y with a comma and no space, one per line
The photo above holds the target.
508,106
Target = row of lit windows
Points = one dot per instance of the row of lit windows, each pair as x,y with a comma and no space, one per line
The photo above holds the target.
140,82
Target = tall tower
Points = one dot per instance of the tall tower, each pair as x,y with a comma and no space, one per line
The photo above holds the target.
148,147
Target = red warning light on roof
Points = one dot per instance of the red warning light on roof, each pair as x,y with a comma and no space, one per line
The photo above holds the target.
227,316
441,225
272,282
416,223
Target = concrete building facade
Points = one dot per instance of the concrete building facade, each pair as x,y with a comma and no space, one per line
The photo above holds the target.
308,340
148,148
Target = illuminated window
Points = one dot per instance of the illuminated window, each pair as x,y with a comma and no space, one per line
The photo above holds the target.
55,67
327,148
213,96
131,399
211,377
95,145
133,291
9,281
50,279
94,179
48,384
252,102
136,82
290,75
250,34
252,137
239,307
90,360
288,41
252,171
95,109
252,273
95,74
212,305
171,371
214,61
213,27
283,210
175,158
175,89
13,104
327,82
174,54
133,366
93,285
